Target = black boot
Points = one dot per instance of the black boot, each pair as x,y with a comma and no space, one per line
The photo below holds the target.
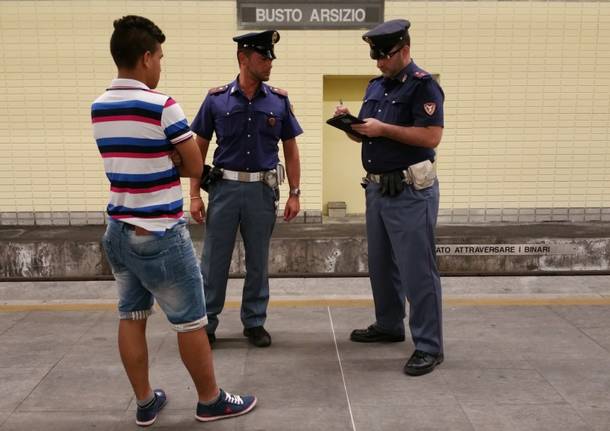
258,336
373,335
421,363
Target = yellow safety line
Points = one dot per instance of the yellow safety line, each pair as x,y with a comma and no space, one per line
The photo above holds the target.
339,303
529,302
16,308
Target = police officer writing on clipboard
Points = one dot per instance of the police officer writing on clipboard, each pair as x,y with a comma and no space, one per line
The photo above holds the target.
403,123
249,118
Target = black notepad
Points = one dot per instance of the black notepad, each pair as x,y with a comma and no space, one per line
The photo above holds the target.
344,122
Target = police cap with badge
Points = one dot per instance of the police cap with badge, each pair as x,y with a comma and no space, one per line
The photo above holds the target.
261,42
383,38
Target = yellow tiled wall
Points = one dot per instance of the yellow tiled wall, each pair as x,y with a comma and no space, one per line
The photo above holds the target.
527,94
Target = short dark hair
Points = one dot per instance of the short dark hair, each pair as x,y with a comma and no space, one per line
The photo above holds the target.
132,36
246,51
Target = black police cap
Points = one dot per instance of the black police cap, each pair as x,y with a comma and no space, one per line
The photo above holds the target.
262,42
386,36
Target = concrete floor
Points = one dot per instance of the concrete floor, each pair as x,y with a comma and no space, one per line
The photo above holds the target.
542,364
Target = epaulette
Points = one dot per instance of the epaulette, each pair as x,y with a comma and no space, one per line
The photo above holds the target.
421,74
279,91
375,79
216,90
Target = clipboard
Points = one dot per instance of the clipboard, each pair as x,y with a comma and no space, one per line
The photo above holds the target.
344,122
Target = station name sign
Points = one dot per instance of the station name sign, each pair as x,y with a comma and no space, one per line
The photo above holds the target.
289,14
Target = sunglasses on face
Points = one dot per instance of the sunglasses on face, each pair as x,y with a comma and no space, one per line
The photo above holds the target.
378,55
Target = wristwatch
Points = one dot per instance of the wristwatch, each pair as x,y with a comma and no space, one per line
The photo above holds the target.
295,192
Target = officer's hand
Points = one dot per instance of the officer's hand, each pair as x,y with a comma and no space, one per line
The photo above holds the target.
371,128
197,210
175,158
293,206
340,110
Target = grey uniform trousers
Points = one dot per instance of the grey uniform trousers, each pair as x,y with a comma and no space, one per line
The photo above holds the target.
251,208
402,263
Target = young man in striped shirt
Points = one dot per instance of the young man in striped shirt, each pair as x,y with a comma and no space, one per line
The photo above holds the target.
147,242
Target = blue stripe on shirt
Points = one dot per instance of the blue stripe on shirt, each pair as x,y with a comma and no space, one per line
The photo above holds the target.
177,129
170,173
101,106
135,142
172,206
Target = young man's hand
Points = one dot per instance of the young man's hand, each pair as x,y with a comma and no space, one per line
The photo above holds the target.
175,158
197,209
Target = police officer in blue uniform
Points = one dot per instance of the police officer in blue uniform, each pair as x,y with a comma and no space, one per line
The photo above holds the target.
249,118
403,123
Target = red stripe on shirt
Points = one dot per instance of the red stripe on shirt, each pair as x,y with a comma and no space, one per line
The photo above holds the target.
136,155
171,216
145,190
126,118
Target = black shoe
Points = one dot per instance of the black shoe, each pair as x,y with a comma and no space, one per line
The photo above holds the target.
258,336
421,363
373,335
211,338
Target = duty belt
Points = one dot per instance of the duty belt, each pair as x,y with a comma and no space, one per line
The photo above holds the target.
245,177
420,175
376,178
273,177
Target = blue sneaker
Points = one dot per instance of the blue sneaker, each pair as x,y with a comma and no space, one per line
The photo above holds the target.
146,416
227,406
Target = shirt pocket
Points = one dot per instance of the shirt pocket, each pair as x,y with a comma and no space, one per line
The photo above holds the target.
269,125
369,107
399,110
230,123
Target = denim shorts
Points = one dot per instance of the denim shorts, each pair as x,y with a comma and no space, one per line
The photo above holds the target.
150,267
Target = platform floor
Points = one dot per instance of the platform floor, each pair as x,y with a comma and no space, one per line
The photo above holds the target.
534,357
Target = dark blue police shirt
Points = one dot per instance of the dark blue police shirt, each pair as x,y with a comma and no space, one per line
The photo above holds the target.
412,98
247,131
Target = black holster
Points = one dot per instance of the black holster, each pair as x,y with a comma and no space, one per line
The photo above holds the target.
276,191
210,176
392,183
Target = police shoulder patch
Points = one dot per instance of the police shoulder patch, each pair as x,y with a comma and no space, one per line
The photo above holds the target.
430,108
216,90
420,74
279,91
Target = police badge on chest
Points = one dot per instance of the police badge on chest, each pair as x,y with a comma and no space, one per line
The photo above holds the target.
271,121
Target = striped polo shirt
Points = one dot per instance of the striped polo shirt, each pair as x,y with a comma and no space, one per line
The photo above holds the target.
135,129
